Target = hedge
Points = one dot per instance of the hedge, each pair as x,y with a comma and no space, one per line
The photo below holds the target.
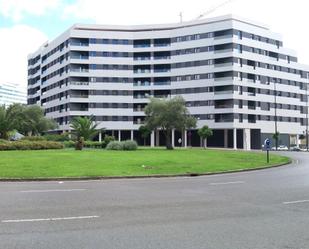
91,144
30,145
124,145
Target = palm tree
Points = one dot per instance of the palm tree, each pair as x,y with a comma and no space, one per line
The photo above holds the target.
84,127
204,133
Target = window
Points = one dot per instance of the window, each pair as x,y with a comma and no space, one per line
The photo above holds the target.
196,76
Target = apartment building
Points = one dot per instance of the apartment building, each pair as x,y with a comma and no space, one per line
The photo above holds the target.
11,93
235,76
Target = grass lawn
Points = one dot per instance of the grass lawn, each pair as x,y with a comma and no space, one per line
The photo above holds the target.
143,162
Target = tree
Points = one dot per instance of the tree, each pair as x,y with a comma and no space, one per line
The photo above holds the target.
84,127
204,133
31,120
7,121
145,132
168,115
276,138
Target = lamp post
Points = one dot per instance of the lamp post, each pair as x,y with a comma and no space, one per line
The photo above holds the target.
276,126
307,118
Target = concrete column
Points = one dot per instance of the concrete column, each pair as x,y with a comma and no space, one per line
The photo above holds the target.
235,139
100,136
185,139
173,138
119,135
225,138
132,135
297,140
157,138
247,139
152,139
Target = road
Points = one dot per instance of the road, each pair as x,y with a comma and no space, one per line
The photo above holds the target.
252,210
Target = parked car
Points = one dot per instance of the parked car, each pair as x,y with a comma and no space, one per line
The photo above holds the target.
283,148
295,148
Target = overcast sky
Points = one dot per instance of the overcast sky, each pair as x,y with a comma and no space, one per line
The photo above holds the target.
26,24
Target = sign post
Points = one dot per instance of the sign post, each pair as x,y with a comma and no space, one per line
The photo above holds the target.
267,148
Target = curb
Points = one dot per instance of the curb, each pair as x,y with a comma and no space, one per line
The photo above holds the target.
138,177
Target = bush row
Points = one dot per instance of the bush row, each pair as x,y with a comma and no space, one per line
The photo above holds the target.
124,145
91,144
30,145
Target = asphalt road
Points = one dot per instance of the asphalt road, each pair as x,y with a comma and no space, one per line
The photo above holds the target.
259,209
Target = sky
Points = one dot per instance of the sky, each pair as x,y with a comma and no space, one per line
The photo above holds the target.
27,24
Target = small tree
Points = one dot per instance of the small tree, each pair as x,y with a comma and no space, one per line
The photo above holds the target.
84,128
167,115
204,133
145,132
7,121
276,138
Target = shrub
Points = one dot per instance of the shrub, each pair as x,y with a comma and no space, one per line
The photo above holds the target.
30,145
57,137
93,144
107,139
33,138
69,144
124,145
129,145
2,141
114,145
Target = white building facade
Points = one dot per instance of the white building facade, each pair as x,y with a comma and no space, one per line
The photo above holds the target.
11,93
235,76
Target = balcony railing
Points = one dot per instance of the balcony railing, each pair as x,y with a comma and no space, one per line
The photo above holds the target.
142,58
163,70
79,96
224,120
161,57
162,83
167,44
224,92
223,106
80,70
141,84
79,83
141,45
142,71
80,57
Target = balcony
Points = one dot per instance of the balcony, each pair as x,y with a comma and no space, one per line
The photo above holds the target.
79,57
79,83
142,71
162,70
79,70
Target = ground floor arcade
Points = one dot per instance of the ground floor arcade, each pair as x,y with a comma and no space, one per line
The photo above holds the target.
246,139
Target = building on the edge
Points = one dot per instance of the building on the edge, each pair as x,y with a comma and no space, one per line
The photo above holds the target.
12,93
234,74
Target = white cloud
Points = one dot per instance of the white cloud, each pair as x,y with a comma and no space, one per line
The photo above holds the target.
16,9
289,18
16,43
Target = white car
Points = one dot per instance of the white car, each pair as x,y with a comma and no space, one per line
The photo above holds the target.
283,148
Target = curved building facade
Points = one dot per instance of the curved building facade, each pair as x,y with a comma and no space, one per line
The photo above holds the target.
235,76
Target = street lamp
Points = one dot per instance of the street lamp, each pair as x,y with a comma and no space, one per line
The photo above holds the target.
276,126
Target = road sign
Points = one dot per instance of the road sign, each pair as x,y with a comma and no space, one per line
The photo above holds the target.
267,145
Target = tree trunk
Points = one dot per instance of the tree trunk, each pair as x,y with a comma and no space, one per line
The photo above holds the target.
205,143
144,141
168,140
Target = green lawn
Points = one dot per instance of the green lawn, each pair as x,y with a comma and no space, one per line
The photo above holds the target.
86,163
